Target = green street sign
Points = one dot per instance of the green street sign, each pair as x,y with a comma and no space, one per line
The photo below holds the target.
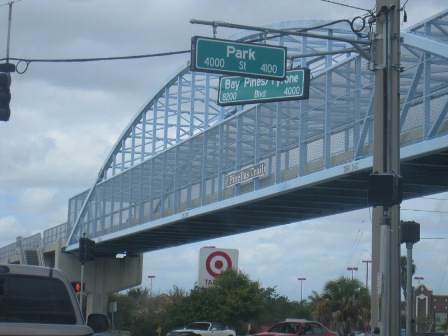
237,90
237,58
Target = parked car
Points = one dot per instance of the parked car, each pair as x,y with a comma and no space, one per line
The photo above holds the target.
298,327
357,333
203,329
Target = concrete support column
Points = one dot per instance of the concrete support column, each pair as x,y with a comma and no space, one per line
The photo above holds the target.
110,275
102,276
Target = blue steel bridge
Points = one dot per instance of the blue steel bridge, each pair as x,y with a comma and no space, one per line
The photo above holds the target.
164,182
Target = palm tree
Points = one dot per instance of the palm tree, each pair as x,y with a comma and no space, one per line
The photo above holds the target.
344,305
444,326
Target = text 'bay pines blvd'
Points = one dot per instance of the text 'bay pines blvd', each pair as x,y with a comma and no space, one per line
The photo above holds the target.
237,90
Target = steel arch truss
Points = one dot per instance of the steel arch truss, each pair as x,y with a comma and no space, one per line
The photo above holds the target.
180,150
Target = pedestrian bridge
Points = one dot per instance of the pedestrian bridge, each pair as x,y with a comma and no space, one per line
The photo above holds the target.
186,169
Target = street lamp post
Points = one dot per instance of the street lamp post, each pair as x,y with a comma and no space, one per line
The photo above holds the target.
419,278
367,272
150,286
301,288
352,269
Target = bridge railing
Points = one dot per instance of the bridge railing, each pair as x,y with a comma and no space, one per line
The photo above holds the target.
8,252
283,140
56,233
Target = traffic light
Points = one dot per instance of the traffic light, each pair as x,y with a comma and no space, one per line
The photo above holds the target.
385,189
86,250
82,250
90,250
5,96
77,285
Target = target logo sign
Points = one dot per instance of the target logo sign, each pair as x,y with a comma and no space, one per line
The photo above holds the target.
217,262
213,261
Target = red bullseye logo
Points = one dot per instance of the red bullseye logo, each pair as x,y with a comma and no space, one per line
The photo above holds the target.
218,262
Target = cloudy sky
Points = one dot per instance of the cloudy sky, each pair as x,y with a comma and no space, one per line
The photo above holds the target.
66,116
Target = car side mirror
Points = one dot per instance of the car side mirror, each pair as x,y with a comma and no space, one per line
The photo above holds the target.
98,322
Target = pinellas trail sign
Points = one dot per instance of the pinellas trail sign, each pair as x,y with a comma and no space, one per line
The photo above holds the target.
237,90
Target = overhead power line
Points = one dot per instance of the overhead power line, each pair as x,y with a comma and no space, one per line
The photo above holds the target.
92,59
423,210
349,6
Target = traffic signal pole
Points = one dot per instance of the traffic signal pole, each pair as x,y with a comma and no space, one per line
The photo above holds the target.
82,259
86,253
5,77
386,159
81,292
9,31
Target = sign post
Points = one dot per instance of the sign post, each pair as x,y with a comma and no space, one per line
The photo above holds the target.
238,58
236,90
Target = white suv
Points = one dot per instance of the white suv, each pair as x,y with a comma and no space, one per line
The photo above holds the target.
41,301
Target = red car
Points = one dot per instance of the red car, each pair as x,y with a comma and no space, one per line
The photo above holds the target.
298,327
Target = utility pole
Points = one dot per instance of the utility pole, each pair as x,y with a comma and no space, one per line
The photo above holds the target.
386,159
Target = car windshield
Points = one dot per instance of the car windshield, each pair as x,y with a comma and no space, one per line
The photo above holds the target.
287,328
34,300
199,326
